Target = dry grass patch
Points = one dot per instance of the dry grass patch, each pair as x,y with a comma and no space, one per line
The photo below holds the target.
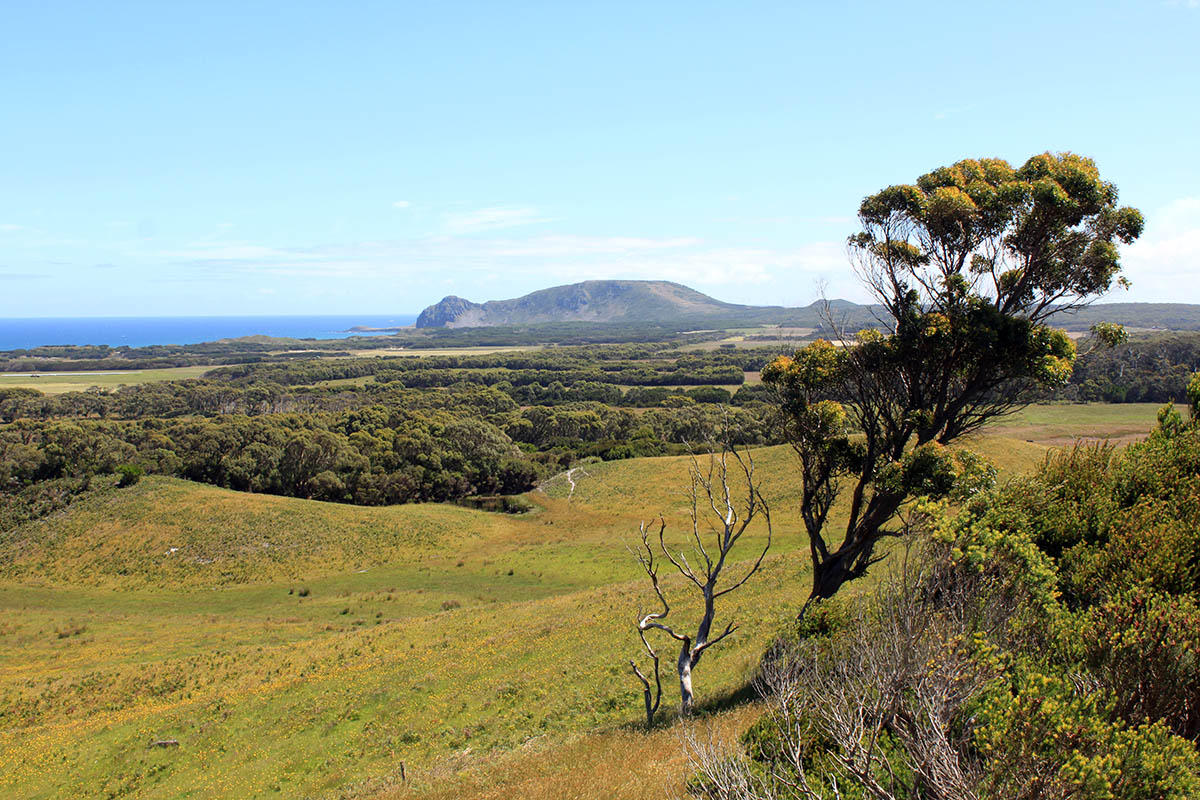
625,764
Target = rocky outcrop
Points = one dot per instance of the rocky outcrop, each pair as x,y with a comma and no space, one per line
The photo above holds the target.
447,312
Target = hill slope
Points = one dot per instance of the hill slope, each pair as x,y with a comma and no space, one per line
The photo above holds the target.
302,649
590,301
664,301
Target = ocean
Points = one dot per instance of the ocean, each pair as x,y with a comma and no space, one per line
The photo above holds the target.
20,334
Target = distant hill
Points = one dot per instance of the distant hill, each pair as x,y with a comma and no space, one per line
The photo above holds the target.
664,301
1159,316
590,301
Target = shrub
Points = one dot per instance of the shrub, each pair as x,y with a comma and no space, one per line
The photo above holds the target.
1044,732
1144,647
69,630
129,475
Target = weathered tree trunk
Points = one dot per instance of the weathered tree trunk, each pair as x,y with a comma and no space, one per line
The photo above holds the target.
651,707
687,700
830,574
852,559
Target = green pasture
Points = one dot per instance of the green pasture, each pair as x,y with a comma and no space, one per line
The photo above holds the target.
60,382
1062,423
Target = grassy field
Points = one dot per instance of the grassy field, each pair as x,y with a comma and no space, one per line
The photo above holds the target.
304,649
60,382
1061,424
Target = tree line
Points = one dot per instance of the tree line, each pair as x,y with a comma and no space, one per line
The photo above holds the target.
409,446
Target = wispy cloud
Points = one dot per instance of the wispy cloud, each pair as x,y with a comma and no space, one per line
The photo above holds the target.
535,262
401,204
487,219
822,220
576,246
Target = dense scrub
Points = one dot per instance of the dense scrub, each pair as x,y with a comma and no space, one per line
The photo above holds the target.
1146,369
377,431
1040,642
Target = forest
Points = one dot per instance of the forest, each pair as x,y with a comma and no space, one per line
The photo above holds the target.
392,429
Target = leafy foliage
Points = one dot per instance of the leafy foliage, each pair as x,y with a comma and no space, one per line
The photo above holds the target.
967,264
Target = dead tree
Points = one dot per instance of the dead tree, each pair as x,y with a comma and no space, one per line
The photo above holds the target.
719,517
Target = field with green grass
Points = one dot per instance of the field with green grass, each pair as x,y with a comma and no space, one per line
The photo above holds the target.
302,649
60,382
1063,423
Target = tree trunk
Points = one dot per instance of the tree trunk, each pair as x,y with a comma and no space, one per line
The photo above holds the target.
686,700
830,574
650,709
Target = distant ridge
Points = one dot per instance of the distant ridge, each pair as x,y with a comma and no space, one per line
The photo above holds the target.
664,301
590,301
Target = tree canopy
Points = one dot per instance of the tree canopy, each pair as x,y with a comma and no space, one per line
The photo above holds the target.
967,264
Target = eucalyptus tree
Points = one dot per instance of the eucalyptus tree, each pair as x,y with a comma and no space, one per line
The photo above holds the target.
968,266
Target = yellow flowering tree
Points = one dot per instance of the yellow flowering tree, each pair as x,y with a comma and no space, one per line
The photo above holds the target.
967,265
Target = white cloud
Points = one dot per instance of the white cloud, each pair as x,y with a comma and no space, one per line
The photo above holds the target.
574,246
1164,264
787,221
486,219
8,226
401,204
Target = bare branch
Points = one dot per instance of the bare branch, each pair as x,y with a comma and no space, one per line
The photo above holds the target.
710,489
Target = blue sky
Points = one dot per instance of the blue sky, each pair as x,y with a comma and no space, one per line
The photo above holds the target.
293,158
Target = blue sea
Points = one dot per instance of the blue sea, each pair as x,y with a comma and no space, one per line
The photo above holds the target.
20,334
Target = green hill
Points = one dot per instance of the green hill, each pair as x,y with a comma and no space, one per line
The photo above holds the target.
296,648
590,301
662,301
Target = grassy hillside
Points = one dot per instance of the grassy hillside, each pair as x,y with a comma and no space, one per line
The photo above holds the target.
296,648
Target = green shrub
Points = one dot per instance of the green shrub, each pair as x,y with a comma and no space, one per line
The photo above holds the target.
1045,729
1144,647
129,475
